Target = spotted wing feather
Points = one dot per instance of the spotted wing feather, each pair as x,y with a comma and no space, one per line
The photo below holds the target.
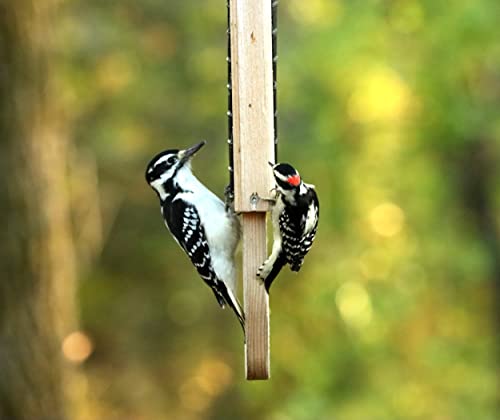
183,221
305,244
290,234
298,233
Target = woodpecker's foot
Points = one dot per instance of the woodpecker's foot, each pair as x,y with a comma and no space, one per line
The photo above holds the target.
273,196
264,270
274,193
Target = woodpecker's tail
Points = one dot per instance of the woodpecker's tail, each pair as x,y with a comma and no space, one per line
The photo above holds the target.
227,296
219,297
277,266
296,265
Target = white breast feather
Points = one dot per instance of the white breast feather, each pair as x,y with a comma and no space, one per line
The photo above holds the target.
311,218
221,229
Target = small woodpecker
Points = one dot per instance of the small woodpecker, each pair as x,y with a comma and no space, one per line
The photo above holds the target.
205,229
295,217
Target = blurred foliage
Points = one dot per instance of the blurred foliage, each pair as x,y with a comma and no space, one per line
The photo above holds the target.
381,105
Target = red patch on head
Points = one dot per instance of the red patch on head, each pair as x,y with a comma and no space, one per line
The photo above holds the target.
294,180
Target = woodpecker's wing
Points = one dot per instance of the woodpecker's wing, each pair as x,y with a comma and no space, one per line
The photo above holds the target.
290,234
310,225
298,230
307,238
183,222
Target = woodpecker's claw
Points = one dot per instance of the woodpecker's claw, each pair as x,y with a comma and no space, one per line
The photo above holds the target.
262,272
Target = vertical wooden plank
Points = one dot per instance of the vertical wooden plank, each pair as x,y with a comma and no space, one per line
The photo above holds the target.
253,147
253,114
256,298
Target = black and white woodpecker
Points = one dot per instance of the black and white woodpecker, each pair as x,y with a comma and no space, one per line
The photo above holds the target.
202,225
295,217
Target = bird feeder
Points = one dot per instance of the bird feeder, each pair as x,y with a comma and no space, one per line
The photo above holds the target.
252,116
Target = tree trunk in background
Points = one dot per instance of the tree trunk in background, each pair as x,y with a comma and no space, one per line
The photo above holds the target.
476,166
37,263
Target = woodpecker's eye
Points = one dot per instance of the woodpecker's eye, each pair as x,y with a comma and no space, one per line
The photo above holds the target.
171,160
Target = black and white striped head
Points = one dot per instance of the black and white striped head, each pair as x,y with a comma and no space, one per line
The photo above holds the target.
286,176
167,164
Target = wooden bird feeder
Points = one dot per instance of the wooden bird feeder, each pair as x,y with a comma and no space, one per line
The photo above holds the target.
253,148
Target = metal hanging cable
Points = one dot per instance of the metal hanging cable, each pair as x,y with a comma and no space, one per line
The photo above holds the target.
274,11
230,187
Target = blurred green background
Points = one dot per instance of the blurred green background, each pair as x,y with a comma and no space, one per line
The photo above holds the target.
391,108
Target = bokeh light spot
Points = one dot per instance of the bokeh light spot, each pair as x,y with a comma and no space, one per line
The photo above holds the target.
379,95
210,379
354,304
77,347
316,12
214,376
387,219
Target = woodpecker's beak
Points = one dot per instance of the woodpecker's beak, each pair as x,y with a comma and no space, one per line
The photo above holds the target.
271,164
185,155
